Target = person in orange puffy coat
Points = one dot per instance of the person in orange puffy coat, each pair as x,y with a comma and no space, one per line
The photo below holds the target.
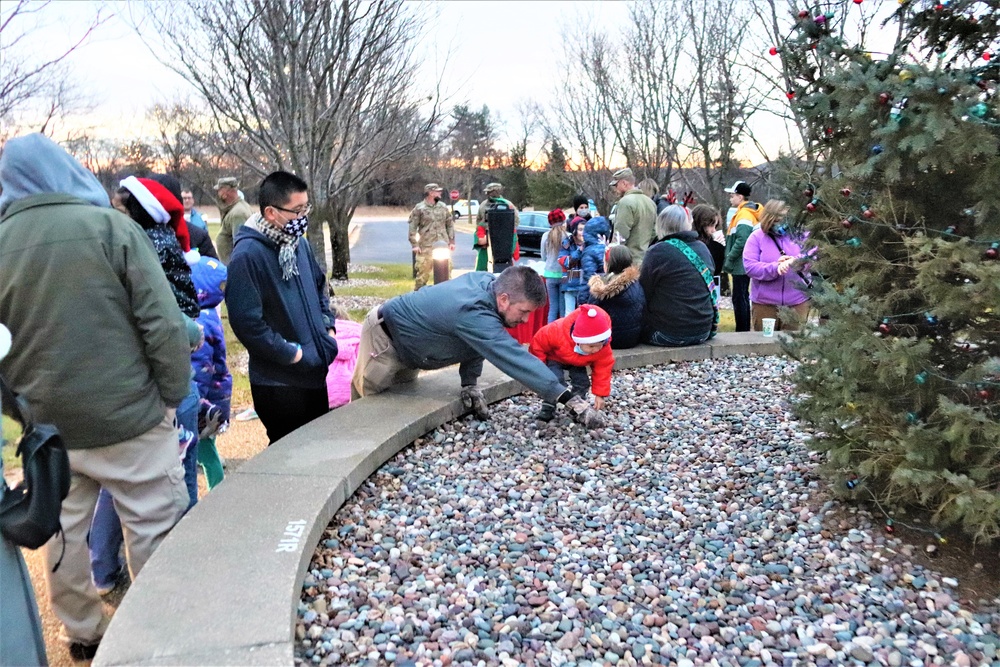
573,343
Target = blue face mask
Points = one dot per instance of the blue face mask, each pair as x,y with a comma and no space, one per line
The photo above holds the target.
578,349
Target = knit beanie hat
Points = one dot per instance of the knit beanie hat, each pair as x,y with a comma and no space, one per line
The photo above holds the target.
556,216
592,325
579,201
162,207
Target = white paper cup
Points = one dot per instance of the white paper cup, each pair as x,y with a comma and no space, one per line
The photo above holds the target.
768,324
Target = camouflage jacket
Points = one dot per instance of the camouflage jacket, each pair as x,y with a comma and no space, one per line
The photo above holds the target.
430,224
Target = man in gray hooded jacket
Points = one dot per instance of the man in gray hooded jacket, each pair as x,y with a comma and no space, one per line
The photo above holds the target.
100,351
461,321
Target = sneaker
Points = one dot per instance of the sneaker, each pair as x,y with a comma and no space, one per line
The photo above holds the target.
547,413
247,415
80,651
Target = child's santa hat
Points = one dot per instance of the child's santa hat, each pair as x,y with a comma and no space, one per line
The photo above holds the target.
592,325
161,206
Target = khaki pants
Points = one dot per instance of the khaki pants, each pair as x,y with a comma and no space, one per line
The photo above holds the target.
378,367
759,311
146,479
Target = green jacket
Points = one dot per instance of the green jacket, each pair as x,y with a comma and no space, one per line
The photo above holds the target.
233,218
635,220
100,347
740,227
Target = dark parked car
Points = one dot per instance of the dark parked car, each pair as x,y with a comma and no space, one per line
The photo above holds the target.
529,232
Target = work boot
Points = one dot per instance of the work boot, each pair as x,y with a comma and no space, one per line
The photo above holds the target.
547,413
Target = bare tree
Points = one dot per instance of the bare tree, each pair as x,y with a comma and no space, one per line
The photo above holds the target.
30,86
472,145
717,98
327,90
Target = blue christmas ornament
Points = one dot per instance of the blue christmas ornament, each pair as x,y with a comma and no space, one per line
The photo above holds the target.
877,149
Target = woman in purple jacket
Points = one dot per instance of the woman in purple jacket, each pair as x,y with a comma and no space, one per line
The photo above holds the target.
778,276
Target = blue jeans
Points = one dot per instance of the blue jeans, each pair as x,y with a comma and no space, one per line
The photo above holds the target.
568,303
666,340
555,301
187,416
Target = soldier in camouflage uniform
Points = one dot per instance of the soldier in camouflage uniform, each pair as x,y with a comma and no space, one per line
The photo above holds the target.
481,241
430,222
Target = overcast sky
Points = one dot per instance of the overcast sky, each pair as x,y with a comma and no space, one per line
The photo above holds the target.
502,53
122,78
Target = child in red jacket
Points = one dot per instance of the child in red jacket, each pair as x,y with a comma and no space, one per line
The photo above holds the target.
571,344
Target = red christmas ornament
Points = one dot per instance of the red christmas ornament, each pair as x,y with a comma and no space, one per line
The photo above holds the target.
884,98
810,207
993,251
858,2
773,50
803,14
890,529
790,94
846,223
938,7
846,192
987,55
868,213
808,193
984,394
884,329
814,45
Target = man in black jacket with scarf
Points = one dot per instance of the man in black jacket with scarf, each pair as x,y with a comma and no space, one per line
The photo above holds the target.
279,309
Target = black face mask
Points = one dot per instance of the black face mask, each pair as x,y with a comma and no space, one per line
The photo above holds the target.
437,199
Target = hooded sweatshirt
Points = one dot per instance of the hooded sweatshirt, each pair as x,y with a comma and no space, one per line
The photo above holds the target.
99,344
273,316
592,257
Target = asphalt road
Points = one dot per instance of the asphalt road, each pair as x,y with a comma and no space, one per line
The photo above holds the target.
386,241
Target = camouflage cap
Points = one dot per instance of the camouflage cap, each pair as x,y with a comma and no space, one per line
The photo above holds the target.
622,175
493,187
226,182
431,187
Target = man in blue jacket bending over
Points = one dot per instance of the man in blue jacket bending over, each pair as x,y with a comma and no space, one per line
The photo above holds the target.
461,321
279,310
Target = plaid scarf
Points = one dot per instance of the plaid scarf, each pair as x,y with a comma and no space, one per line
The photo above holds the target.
287,244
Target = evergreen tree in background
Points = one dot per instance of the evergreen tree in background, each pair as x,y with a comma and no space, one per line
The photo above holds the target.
901,379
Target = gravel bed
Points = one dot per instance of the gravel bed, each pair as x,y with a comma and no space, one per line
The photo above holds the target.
354,302
690,532
363,268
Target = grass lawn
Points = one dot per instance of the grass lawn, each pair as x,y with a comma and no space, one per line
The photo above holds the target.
398,279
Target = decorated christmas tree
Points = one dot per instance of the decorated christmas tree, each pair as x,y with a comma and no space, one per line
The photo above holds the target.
901,377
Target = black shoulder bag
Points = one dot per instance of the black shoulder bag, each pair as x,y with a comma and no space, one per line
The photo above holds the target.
29,513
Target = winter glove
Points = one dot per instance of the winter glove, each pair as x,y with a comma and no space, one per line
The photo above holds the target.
209,420
473,399
584,414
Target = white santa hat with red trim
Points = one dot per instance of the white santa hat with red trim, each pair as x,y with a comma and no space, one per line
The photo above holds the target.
592,325
146,200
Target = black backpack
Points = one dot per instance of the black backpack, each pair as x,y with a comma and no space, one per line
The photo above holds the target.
29,513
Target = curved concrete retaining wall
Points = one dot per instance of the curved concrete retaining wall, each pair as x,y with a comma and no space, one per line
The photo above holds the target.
223,587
